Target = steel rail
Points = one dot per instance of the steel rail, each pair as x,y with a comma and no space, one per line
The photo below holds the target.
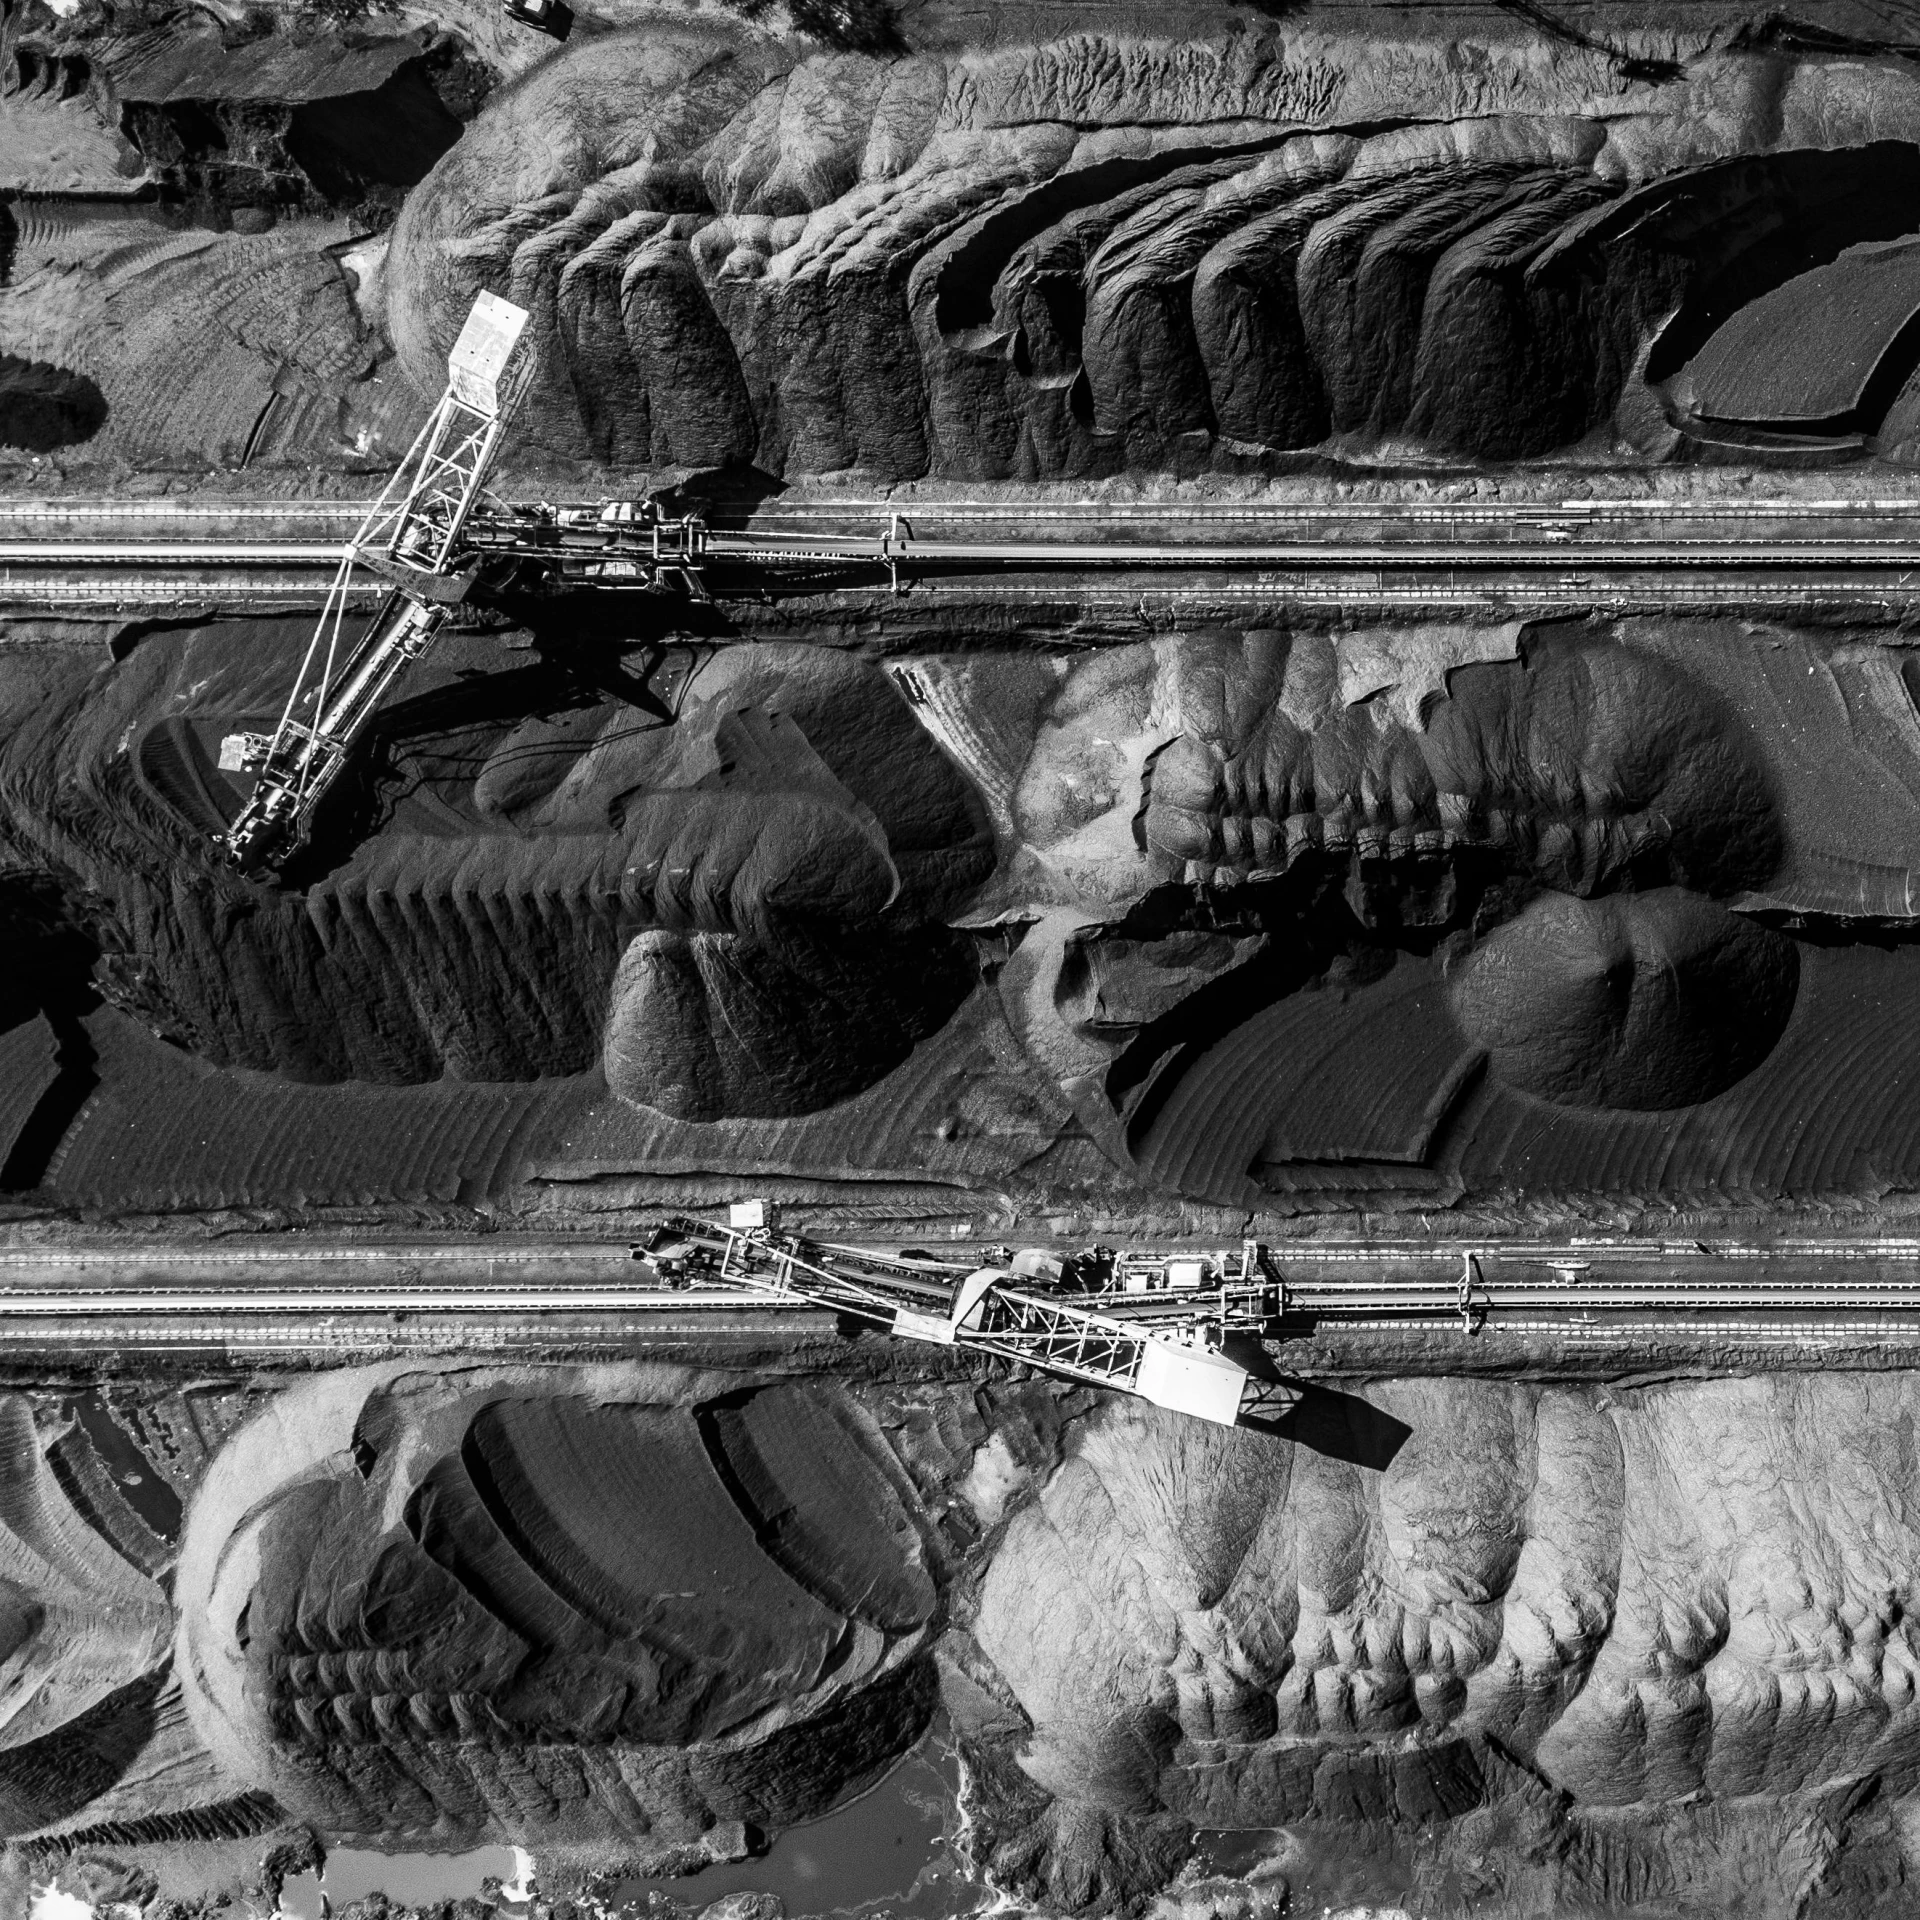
1564,529
379,1317
1376,582
1326,1296
499,1250
1487,596
122,1303
166,553
1304,1295
773,550
354,510
1326,1300
754,548
101,594
102,590
1028,511
1028,508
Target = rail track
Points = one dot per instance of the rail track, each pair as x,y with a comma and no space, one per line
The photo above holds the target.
486,1295
791,513
1113,559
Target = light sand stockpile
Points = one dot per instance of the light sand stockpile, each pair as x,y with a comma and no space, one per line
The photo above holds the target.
1126,249
1701,1586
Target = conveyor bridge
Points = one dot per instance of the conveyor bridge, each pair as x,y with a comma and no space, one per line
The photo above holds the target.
1169,1350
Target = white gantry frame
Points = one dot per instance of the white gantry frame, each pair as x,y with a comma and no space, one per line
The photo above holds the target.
1172,1362
411,536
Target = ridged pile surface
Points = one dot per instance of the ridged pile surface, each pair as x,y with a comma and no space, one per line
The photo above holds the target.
541,1614
1701,1587
1114,250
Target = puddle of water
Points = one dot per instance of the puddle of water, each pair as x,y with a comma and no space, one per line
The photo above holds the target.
147,1493
885,1850
883,1853
300,1897
1234,1853
407,1879
415,1879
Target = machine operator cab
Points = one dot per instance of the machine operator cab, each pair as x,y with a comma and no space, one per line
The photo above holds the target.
553,17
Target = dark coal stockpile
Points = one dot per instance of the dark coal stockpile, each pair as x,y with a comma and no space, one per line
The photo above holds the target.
1646,1000
1234,244
1289,920
283,123
1424,917
1808,354
595,1596
44,407
526,855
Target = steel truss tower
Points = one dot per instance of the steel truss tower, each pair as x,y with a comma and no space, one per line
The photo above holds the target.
410,537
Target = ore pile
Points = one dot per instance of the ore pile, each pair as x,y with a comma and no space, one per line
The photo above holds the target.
532,868
614,1620
1077,257
1264,918
1568,1646
1248,245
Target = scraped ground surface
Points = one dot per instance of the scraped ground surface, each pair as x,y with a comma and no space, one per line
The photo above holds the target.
204,348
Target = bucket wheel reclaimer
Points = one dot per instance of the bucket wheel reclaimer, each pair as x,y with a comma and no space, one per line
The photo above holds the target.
410,537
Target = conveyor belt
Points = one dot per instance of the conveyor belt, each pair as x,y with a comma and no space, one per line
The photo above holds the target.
768,550
1396,1281
1117,584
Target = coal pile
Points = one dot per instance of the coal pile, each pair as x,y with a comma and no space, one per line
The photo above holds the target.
531,867
1262,918
1649,1000
999,910
627,1620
